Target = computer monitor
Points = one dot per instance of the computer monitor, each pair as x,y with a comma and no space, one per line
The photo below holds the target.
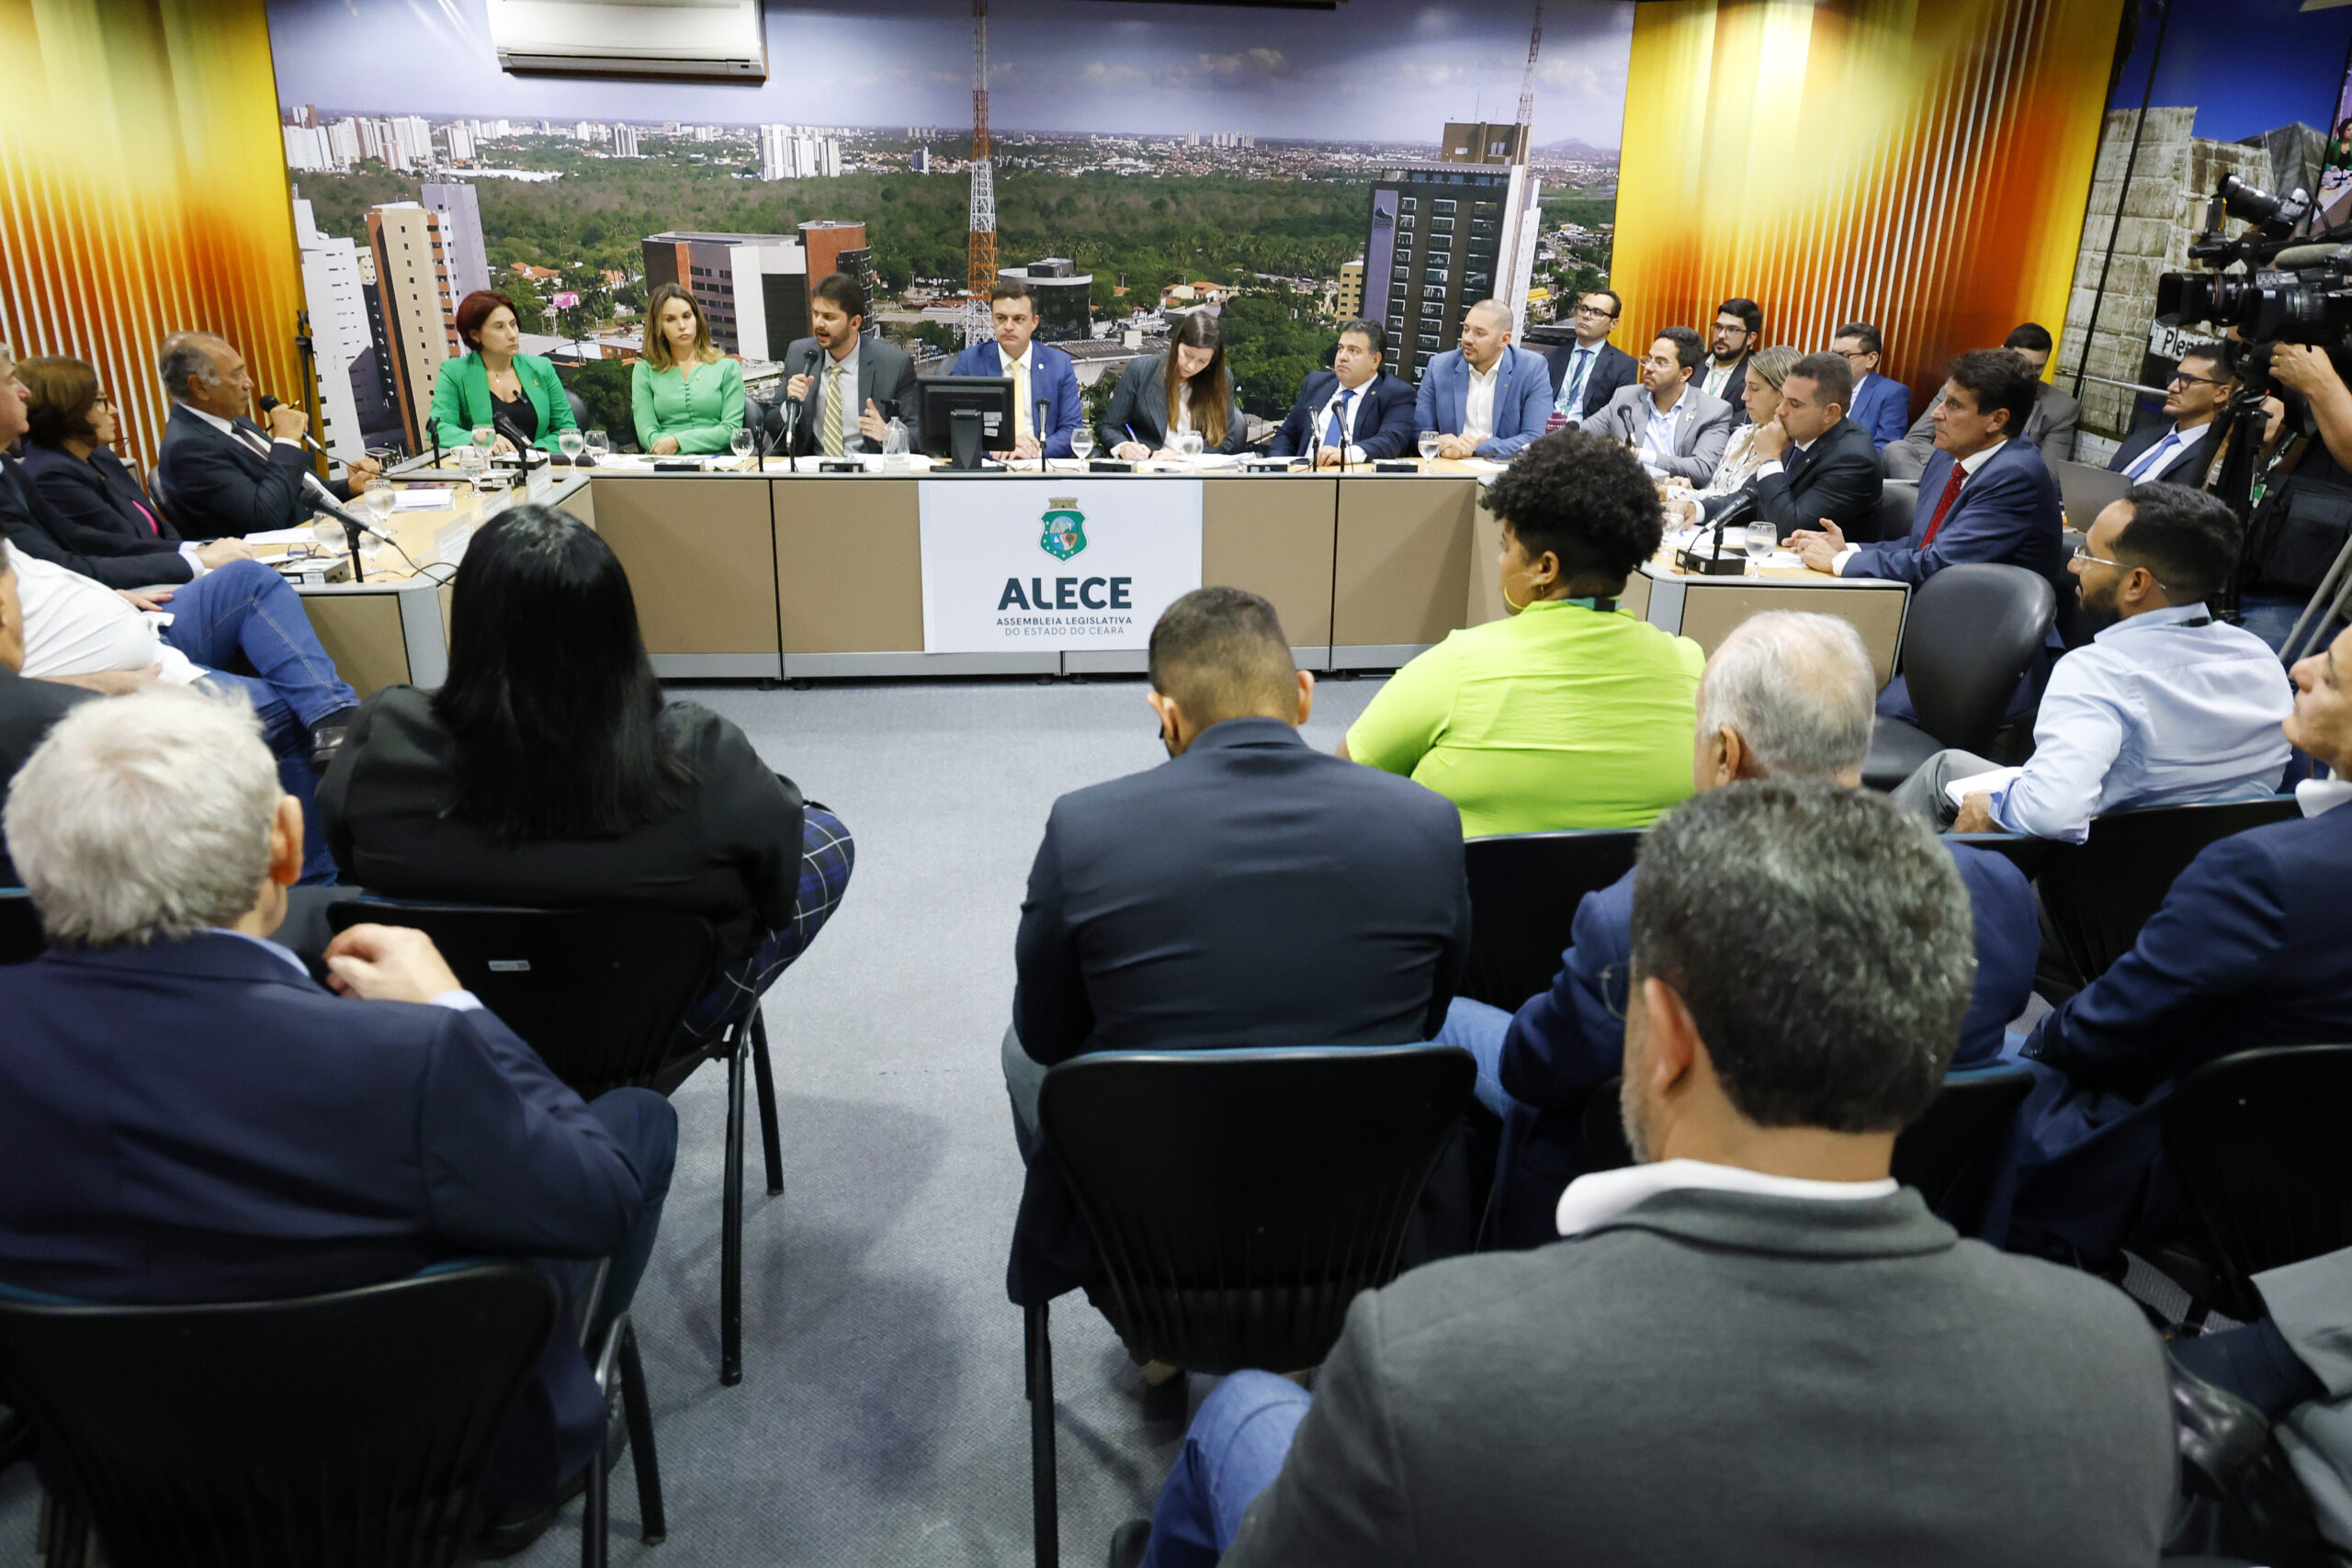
990,397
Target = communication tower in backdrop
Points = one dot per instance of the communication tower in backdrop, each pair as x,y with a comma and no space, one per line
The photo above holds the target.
979,246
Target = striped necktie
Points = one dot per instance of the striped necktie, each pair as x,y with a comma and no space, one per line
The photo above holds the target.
833,410
2153,458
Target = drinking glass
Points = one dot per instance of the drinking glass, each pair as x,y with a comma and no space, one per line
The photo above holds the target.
1189,445
600,445
1082,442
1763,539
1428,444
484,439
740,443
572,444
470,461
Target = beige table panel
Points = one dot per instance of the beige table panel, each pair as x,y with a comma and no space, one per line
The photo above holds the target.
1710,611
701,559
1401,572
848,572
364,635
1273,537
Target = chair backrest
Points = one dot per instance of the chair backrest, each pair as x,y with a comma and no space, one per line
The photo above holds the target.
2258,1140
20,934
352,1429
1898,504
1968,638
579,406
1524,889
1952,1152
1240,1199
2097,895
597,993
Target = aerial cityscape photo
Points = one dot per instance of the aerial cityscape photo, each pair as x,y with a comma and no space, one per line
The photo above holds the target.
1140,170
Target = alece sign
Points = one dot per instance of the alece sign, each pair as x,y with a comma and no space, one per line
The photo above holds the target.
1054,562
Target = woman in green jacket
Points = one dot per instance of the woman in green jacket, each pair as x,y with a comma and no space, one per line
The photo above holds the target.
687,396
495,382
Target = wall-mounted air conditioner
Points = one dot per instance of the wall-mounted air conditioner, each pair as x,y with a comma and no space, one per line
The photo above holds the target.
631,38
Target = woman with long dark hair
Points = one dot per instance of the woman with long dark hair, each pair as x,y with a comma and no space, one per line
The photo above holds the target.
1188,389
549,770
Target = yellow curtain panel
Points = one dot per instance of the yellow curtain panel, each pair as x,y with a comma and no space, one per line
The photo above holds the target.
142,189
1923,166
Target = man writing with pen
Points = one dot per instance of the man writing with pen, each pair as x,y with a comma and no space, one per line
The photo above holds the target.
848,385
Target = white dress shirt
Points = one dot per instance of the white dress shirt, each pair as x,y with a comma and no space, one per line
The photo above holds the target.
77,626
1967,466
1594,1200
2153,711
2165,455
1718,377
1479,408
1657,435
2319,796
244,438
1348,415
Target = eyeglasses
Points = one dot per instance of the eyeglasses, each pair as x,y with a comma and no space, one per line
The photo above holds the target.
1590,310
1615,980
2182,379
1853,353
2082,553
1731,326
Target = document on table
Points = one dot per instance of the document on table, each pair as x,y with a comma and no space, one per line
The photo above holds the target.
1958,790
421,499
282,537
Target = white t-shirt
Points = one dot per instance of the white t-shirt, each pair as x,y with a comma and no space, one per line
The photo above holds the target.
77,626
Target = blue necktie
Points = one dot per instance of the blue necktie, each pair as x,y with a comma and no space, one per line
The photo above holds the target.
1572,394
1338,434
2152,455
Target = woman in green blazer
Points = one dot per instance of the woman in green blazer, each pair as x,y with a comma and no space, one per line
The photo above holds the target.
495,381
689,397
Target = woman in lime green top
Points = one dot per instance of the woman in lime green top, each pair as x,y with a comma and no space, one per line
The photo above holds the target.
1570,713
495,383
687,396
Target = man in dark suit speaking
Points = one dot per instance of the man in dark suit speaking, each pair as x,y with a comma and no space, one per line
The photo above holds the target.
1249,891
1753,1346
1354,411
218,473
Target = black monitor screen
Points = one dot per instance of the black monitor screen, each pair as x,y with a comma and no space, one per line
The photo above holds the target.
991,396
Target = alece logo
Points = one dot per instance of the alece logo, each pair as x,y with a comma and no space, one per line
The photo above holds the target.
1065,533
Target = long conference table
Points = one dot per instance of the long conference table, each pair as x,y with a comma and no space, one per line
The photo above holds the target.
740,574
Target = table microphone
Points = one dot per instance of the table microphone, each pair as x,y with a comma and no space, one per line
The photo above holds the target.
1740,508
1045,408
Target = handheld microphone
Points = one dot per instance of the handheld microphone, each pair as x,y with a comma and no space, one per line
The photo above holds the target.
269,402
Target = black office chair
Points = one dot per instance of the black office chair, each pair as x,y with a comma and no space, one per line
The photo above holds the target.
1951,1154
1898,504
2258,1141
2097,895
1524,889
1971,632
579,406
2020,849
598,994
1238,1200
20,934
352,1429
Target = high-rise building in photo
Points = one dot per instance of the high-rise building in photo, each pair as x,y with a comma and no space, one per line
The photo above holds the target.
415,294
835,246
461,142
308,149
1064,295
1483,143
413,140
1351,299
797,152
338,329
1442,237
624,142
460,210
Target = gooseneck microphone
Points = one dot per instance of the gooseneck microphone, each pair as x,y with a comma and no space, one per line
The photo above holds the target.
324,499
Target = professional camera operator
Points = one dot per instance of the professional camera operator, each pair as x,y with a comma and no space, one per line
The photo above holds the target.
2305,513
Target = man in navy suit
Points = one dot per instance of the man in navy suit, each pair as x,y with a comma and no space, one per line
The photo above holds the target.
1485,398
2174,449
1819,465
218,474
1587,374
2252,947
186,1116
1881,406
1354,411
1041,374
1787,696
1983,498
1249,891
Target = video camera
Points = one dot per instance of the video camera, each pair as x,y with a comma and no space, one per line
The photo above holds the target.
2296,288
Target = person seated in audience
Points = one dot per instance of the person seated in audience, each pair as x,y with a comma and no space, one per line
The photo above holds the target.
1353,413
56,507
1587,373
1249,891
2173,447
283,1140
2049,424
1881,405
1768,369
1676,429
1487,397
2165,706
495,383
1787,696
218,472
1739,329
546,770
1985,498
685,396
1816,465
27,706
97,507
2251,947
1041,374
1566,713
1186,391
1753,1346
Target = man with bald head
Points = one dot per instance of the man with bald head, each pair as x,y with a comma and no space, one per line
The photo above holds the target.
222,475
1487,398
1785,696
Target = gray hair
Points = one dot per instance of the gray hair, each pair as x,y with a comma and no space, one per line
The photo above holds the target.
1822,939
145,819
185,355
1798,689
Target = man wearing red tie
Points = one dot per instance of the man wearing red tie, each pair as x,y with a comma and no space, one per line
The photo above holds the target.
1982,498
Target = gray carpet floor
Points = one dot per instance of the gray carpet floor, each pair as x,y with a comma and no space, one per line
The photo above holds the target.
880,1419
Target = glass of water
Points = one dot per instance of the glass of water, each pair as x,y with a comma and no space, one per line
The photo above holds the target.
894,444
484,439
1189,445
600,445
1082,442
470,459
572,444
740,443
1763,539
1428,443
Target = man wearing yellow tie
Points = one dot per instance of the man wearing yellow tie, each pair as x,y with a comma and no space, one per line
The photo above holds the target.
1040,373
849,386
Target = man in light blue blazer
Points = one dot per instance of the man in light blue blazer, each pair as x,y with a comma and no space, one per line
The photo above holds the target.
1040,373
1485,399
1881,406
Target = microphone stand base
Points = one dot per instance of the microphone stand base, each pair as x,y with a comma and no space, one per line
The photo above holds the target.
1697,565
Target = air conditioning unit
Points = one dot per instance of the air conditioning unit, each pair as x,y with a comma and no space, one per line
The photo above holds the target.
631,38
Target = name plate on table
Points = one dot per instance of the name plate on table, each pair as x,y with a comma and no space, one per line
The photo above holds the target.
1059,562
